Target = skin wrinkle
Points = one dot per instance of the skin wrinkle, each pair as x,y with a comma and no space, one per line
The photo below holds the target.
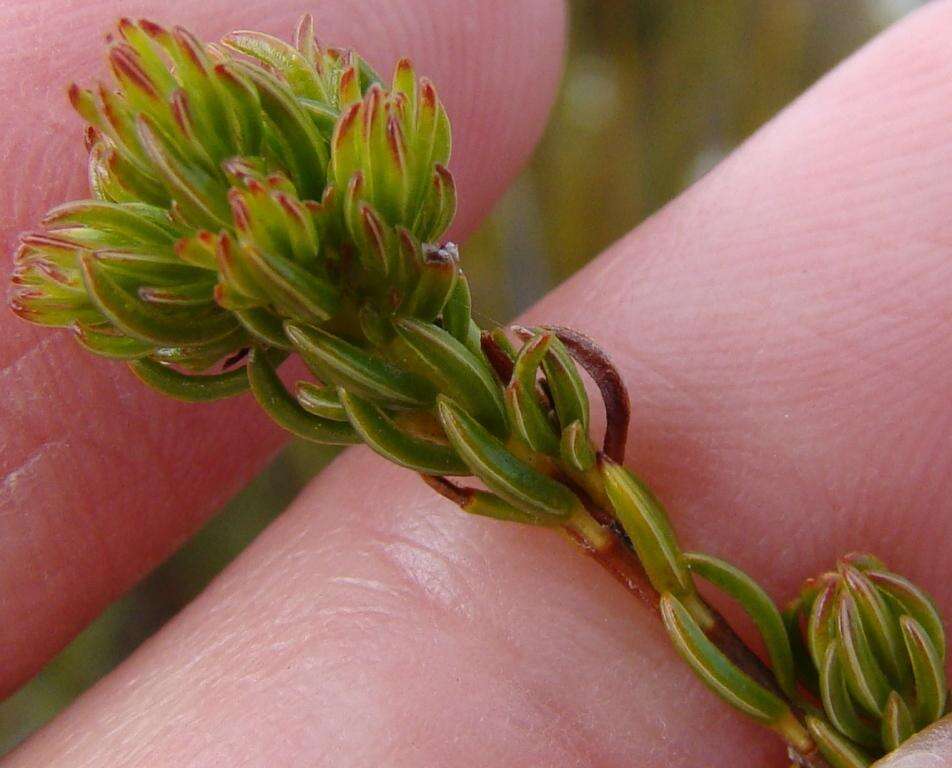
22,358
254,579
439,609
429,572
49,552
40,357
568,729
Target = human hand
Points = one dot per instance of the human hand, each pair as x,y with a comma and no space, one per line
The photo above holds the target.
780,326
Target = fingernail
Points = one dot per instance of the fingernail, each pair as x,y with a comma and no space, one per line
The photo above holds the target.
931,748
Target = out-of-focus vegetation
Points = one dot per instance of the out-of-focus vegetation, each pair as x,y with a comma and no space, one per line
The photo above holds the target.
655,93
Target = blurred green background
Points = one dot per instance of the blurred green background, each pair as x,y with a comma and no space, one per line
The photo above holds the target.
670,86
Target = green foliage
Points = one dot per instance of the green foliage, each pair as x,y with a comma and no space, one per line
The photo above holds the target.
717,672
646,522
758,605
256,199
237,187
881,671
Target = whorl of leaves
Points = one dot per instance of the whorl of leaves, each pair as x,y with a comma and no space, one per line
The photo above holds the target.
238,186
872,649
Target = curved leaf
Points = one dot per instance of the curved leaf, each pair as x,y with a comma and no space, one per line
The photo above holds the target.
272,396
525,411
453,369
321,400
928,669
647,524
458,310
568,391
359,370
380,432
109,343
864,676
576,449
880,624
821,619
264,325
192,389
897,725
720,675
913,601
838,703
158,325
510,477
758,605
296,289
838,750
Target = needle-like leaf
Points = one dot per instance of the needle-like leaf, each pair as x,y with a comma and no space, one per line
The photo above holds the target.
913,601
720,675
646,523
522,401
758,605
510,477
568,391
928,669
457,312
864,676
380,432
437,279
837,749
295,289
321,400
264,325
897,725
147,322
107,342
192,389
451,368
272,396
359,370
880,624
838,703
821,620
576,449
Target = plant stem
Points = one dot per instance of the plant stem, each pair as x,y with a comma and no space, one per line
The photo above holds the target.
616,555
599,534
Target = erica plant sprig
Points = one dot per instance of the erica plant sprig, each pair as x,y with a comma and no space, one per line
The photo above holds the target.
252,200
